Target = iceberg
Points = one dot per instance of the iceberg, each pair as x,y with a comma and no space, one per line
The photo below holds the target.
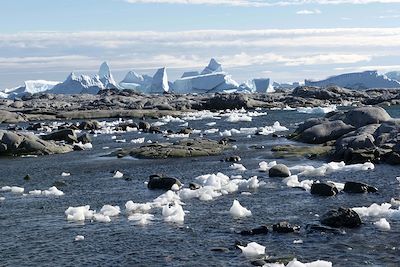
78,85
357,80
259,85
394,75
135,81
212,67
30,87
106,77
160,83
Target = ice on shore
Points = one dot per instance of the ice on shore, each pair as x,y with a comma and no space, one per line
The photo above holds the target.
265,166
238,211
328,168
382,224
252,249
317,110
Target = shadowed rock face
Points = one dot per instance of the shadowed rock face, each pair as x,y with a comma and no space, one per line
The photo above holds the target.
180,149
341,217
12,143
359,135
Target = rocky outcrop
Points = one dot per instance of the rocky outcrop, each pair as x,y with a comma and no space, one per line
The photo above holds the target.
279,170
180,149
341,217
324,189
162,182
358,135
12,143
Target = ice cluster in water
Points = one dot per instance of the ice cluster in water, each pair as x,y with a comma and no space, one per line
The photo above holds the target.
238,211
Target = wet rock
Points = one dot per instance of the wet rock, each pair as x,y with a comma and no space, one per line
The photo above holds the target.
310,152
233,159
324,132
219,249
341,217
27,177
85,138
78,148
194,186
89,125
258,262
279,170
161,182
285,227
66,135
362,116
262,230
35,126
154,130
185,131
144,126
60,183
356,187
324,189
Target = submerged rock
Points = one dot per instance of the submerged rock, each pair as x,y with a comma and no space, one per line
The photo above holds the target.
285,227
261,230
66,135
341,217
356,187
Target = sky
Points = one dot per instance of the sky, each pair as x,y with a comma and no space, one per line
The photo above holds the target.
285,40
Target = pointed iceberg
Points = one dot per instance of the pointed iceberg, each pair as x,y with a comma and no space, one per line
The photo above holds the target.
212,67
160,83
106,77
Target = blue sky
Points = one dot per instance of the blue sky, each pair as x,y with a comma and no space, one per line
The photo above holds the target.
281,39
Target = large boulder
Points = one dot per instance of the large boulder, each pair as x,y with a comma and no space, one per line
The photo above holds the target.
357,187
162,182
66,135
324,189
362,116
324,132
341,217
279,170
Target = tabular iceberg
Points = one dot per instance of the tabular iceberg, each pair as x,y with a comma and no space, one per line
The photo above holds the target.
30,87
357,80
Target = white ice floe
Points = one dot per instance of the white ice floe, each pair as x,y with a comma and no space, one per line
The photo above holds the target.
65,174
2,198
98,217
252,249
169,118
211,131
266,130
398,179
296,263
293,181
176,135
84,146
237,166
166,198
382,224
79,238
375,210
173,213
138,140
141,218
265,166
53,191
13,189
118,174
111,211
317,110
35,192
298,241
80,213
234,117
132,207
328,168
158,123
211,123
238,211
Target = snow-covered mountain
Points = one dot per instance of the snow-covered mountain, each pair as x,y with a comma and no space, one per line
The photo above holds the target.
358,80
211,79
394,75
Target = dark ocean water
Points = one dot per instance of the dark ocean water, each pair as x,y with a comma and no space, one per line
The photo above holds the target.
34,230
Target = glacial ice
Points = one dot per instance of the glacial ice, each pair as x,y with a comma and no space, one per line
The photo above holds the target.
296,263
252,249
317,110
111,211
173,213
159,83
141,218
382,224
79,238
238,211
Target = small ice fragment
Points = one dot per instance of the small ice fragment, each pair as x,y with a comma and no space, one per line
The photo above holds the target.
101,218
53,191
175,187
106,147
110,211
141,218
65,174
113,137
118,174
121,141
17,189
382,224
237,166
138,141
2,198
238,211
299,241
35,192
252,249
79,238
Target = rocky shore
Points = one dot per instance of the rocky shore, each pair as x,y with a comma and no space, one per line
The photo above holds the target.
115,104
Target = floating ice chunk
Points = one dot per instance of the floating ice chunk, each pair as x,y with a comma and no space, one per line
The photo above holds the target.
35,192
17,189
265,166
173,213
395,202
328,168
398,179
158,124
382,224
6,188
175,187
170,118
65,174
141,218
293,181
166,198
211,131
79,238
375,210
317,110
298,241
118,174
234,117
252,249
179,135
120,140
2,198
113,137
277,127
111,211
138,140
84,146
53,191
211,123
186,124
237,166
130,207
288,108
318,263
98,217
79,213
237,211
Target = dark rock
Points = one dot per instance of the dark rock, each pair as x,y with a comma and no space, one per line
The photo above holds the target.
144,126
279,170
89,125
85,138
27,177
160,182
35,127
154,130
60,183
66,135
194,186
219,249
185,131
324,189
77,148
262,230
356,187
258,262
284,227
341,217
362,116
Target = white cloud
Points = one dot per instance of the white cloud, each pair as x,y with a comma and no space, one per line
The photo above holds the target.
308,12
261,3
